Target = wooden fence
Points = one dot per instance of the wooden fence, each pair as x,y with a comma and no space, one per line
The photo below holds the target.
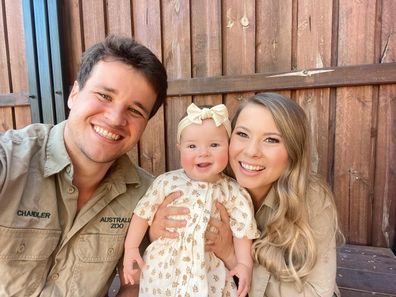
335,58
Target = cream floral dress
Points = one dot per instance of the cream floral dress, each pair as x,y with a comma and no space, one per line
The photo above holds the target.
180,267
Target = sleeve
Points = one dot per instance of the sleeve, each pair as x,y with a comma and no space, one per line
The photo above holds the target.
4,167
240,209
148,204
321,282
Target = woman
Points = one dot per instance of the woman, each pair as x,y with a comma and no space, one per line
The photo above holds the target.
270,156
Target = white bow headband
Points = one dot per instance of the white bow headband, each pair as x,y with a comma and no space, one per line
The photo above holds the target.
195,115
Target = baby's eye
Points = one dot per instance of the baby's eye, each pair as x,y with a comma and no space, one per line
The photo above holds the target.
214,145
191,146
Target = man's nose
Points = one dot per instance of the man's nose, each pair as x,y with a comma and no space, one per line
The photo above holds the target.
116,116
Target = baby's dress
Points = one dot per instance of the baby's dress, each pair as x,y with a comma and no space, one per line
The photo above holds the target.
181,267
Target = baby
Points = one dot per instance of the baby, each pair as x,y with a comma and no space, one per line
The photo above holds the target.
181,267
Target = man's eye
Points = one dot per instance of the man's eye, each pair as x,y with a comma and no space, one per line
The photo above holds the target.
135,112
104,96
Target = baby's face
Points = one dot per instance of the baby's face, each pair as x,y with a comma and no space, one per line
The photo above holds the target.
204,150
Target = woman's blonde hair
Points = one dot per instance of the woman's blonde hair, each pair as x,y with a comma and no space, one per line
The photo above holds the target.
287,245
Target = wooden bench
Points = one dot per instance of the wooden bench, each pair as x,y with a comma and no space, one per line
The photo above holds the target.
366,271
362,271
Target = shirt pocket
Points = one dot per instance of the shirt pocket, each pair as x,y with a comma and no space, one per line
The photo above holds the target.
100,247
27,244
25,254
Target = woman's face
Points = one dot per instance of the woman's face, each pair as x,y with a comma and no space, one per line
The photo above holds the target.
257,152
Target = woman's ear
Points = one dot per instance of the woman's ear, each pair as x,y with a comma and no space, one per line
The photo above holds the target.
73,94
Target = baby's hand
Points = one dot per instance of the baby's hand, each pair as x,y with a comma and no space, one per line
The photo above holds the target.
132,255
244,274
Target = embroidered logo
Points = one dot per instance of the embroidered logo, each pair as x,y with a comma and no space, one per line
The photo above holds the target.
116,222
33,213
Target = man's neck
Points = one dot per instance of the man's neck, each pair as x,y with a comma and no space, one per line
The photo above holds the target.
87,178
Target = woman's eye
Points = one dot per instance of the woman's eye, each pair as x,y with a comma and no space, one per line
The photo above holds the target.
241,134
271,140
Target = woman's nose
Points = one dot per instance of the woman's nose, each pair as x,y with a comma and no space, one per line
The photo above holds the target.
252,149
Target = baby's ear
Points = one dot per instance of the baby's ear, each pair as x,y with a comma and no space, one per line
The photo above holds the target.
178,146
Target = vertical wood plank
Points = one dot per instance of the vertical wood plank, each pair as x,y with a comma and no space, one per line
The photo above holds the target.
177,60
314,27
93,21
354,107
384,212
206,44
13,10
147,30
4,67
6,121
44,61
56,60
31,58
119,17
72,39
5,112
238,43
18,66
274,36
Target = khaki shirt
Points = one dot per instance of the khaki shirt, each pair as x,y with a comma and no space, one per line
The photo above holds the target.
322,280
47,247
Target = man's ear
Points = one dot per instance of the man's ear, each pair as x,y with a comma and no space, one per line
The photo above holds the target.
73,94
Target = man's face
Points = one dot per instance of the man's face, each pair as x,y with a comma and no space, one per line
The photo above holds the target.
108,116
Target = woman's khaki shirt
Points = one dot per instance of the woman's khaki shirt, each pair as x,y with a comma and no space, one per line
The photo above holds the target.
47,247
322,280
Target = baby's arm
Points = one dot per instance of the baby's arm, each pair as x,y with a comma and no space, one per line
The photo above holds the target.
136,231
244,266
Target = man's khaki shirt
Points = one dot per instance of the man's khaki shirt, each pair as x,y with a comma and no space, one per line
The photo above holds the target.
321,282
47,247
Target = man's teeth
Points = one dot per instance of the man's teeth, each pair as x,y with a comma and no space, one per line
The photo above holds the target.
106,134
251,167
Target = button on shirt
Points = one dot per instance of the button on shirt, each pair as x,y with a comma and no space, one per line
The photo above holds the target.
47,247
321,281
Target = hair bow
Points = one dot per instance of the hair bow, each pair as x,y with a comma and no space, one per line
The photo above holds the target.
195,115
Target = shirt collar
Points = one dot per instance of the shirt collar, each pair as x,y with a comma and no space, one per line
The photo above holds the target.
269,200
56,156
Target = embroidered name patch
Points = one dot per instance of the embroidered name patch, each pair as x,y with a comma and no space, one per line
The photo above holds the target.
116,222
33,213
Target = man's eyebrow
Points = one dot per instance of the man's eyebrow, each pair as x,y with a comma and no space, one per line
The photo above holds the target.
108,89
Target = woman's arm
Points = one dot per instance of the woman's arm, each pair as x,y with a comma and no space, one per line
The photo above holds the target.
221,242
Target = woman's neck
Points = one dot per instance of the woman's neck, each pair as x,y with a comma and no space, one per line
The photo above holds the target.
258,196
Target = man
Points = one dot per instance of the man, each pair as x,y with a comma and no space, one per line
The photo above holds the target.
67,191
